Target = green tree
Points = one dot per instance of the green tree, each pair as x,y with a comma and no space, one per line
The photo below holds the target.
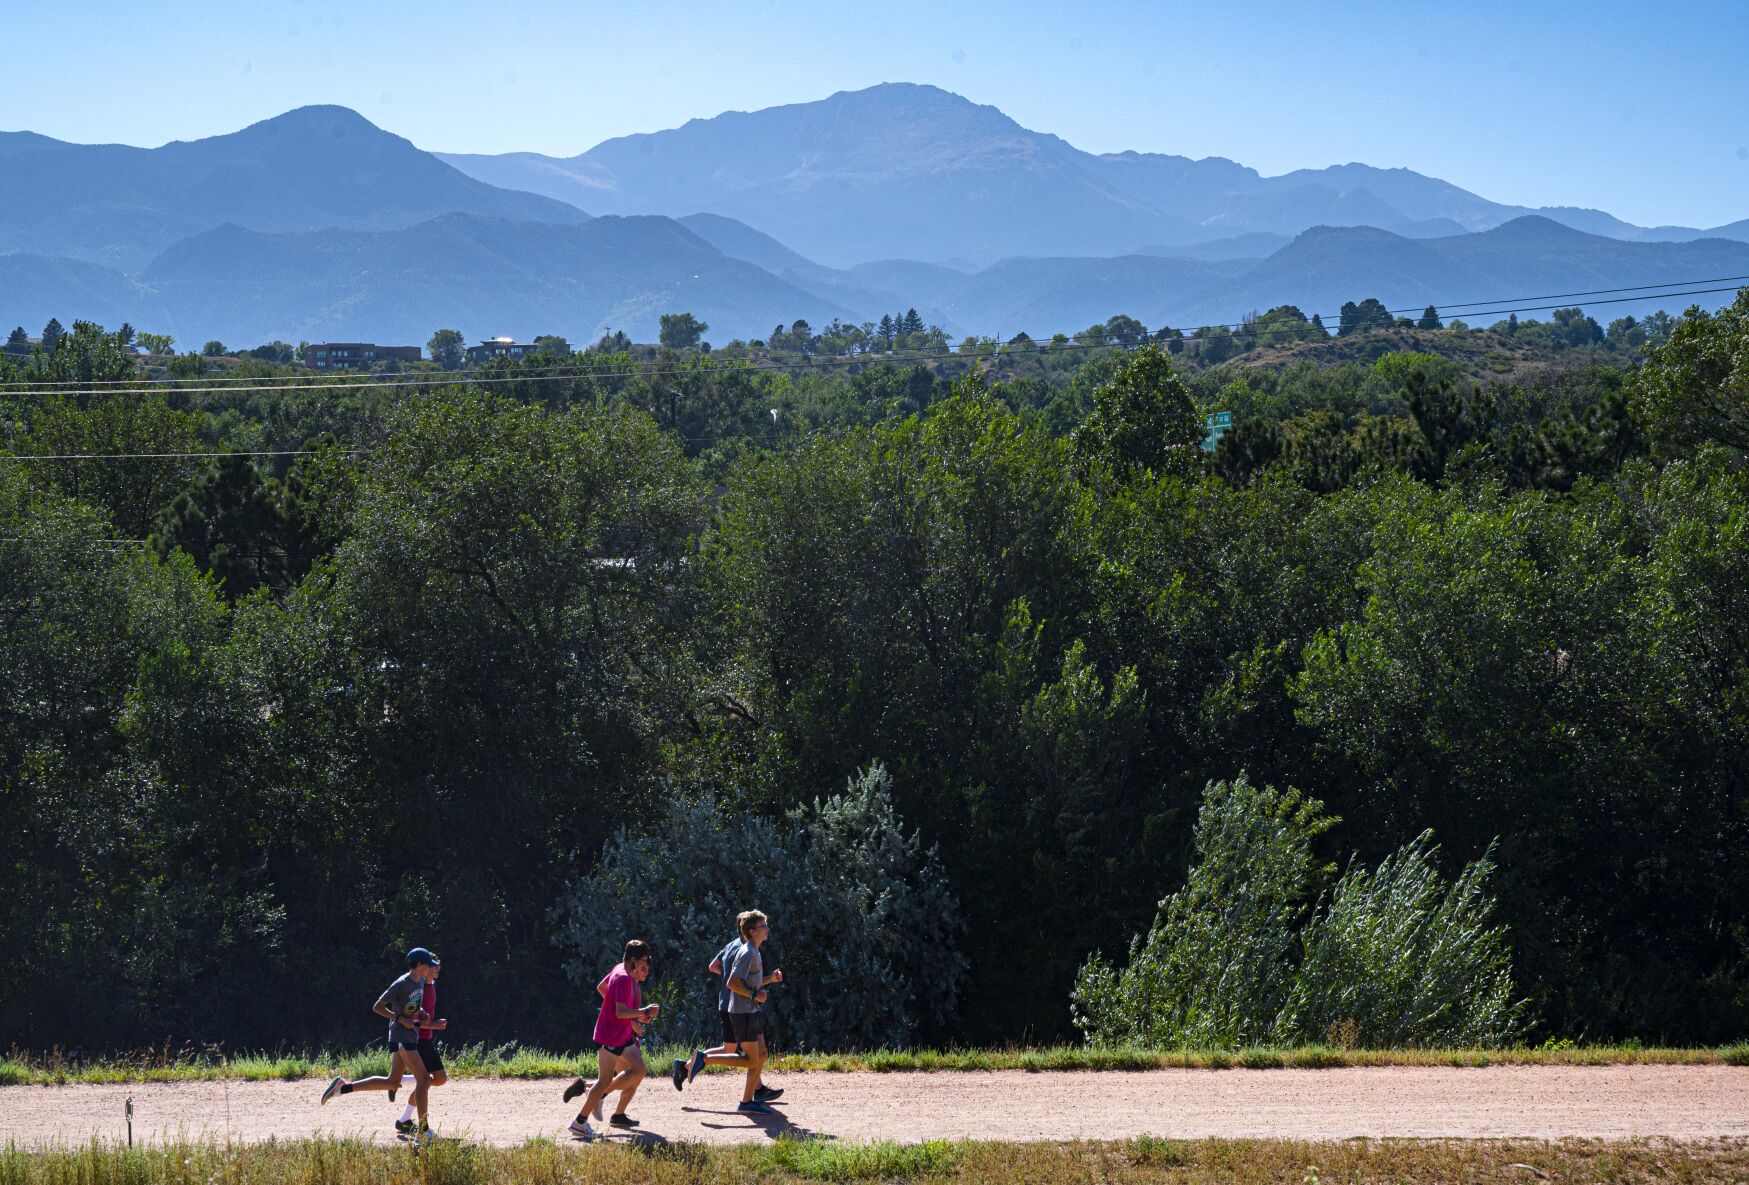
1430,319
18,343
1124,331
157,343
1215,344
214,349
1694,388
133,440
516,589
682,331
235,524
1369,314
911,323
52,334
1574,328
445,348
1144,417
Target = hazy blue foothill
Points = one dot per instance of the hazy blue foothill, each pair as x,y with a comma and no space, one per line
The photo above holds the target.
625,272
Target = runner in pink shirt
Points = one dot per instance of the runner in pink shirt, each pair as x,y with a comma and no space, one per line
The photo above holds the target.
622,1018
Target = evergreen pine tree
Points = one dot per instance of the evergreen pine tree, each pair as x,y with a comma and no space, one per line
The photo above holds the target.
1430,319
912,323
231,522
18,343
52,333
888,330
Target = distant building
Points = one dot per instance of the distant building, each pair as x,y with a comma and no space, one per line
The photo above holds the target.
352,355
500,347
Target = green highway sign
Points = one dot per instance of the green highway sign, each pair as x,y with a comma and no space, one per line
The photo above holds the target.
1214,427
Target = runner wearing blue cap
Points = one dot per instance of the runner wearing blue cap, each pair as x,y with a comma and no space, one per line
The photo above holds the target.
403,1006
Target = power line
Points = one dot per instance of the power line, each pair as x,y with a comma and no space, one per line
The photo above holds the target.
300,452
858,360
565,374
266,383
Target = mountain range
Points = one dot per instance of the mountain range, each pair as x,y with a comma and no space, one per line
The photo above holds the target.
317,224
915,172
310,169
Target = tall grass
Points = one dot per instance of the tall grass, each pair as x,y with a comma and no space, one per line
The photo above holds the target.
1142,1161
477,1061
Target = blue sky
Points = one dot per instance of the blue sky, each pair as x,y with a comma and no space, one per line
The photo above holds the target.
1638,108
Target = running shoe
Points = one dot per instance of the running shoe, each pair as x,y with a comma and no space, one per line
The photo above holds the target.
766,1094
756,1108
679,1074
404,1126
581,1130
577,1087
333,1089
697,1064
618,1119
392,1091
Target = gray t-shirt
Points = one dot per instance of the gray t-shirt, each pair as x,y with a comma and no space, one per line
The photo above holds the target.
726,960
749,968
405,997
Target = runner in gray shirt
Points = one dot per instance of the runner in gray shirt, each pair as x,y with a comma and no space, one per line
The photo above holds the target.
402,1005
747,982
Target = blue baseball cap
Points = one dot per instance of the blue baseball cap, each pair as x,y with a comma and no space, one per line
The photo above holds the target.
420,955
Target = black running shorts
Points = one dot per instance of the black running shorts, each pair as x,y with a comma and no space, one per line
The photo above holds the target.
748,1027
616,1050
428,1054
728,1027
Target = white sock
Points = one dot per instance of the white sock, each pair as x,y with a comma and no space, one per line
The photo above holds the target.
407,1114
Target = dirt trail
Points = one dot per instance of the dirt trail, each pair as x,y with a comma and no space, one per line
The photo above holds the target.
1506,1101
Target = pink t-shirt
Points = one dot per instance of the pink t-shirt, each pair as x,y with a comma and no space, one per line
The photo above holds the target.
621,989
429,1003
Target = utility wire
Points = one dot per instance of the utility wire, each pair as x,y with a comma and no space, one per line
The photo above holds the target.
567,374
299,452
1448,311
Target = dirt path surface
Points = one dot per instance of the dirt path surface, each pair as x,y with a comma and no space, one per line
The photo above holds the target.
1508,1101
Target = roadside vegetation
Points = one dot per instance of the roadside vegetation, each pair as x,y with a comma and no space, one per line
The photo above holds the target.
474,1061
1141,1161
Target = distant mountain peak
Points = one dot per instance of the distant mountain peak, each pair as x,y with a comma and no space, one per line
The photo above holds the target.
314,120
1535,227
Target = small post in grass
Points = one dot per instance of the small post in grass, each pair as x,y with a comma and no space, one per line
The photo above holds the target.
130,1112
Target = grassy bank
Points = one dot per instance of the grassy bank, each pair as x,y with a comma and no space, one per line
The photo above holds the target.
1138,1161
477,1061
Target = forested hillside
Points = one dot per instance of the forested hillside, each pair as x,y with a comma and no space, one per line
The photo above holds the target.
510,662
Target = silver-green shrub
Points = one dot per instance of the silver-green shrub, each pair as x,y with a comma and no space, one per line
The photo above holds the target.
1217,964
1237,956
1399,957
864,925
